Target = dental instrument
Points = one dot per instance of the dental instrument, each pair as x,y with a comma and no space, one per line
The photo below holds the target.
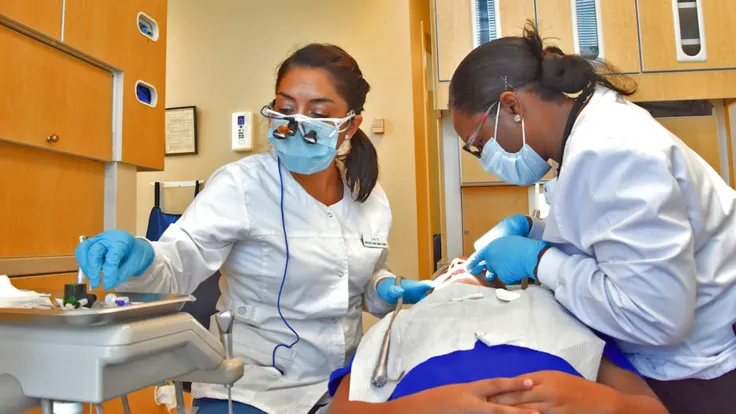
380,373
179,393
126,405
73,292
225,321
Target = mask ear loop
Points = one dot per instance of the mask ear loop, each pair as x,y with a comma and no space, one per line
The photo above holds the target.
523,132
495,126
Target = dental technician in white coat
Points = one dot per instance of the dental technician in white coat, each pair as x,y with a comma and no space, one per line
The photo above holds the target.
640,241
300,235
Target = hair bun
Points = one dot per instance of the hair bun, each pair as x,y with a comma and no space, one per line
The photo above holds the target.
565,73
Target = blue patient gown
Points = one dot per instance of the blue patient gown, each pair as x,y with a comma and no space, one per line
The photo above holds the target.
480,363
212,406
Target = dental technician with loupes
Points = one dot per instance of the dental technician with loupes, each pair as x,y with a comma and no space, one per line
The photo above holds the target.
300,235
640,241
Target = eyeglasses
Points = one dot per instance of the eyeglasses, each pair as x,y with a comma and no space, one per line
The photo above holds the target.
473,144
303,122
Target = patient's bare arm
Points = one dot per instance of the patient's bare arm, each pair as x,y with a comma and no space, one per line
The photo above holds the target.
618,391
470,398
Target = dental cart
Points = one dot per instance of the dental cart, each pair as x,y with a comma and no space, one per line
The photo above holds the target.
94,355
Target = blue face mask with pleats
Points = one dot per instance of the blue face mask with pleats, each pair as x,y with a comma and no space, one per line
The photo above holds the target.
520,168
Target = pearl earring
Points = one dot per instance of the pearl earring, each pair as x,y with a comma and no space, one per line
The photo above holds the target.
517,118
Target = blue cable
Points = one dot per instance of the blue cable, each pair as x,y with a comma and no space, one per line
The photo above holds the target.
283,280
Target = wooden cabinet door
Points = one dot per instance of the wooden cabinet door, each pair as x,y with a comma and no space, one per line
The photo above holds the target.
454,29
514,14
52,100
620,35
484,207
42,15
699,133
617,20
554,22
109,31
49,200
658,38
454,35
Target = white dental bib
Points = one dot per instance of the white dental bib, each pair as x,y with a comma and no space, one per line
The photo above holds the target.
454,318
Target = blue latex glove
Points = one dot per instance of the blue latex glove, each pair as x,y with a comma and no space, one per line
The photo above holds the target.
516,225
412,290
510,258
117,254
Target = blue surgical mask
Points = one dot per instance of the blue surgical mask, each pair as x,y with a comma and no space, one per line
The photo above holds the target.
300,156
521,168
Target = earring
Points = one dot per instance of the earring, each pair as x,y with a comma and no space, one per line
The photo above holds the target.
517,118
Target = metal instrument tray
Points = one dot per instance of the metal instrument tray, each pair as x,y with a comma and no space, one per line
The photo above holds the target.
153,304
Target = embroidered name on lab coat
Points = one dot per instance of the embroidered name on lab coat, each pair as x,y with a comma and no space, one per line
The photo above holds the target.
374,242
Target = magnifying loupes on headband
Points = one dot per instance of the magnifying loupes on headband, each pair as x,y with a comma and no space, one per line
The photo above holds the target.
309,127
289,130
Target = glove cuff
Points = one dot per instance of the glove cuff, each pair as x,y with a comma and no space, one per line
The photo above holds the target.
148,251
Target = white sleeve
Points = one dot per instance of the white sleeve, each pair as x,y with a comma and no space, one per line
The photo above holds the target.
197,245
640,283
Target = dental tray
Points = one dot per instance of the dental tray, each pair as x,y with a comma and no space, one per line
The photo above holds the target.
151,304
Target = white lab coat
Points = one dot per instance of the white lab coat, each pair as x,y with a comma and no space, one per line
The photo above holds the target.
235,224
645,236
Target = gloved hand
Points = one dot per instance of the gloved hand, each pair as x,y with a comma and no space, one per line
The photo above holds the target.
412,290
117,254
516,225
511,258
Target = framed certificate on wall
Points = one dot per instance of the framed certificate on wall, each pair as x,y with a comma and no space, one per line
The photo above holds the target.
181,130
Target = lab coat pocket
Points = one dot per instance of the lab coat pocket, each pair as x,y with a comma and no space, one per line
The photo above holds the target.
259,379
257,353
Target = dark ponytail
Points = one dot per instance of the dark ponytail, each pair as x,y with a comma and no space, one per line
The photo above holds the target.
361,162
524,62
361,166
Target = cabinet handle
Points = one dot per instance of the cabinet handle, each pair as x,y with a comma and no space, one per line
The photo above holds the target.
52,138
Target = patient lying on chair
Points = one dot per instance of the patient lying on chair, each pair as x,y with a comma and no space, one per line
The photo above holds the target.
470,347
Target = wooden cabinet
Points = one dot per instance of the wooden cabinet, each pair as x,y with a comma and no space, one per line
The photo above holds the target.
42,15
455,36
110,32
638,37
699,133
71,109
103,29
617,20
484,207
49,200
514,14
454,29
658,35
620,35
554,22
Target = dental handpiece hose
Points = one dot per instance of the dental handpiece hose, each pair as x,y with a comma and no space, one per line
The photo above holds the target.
225,321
